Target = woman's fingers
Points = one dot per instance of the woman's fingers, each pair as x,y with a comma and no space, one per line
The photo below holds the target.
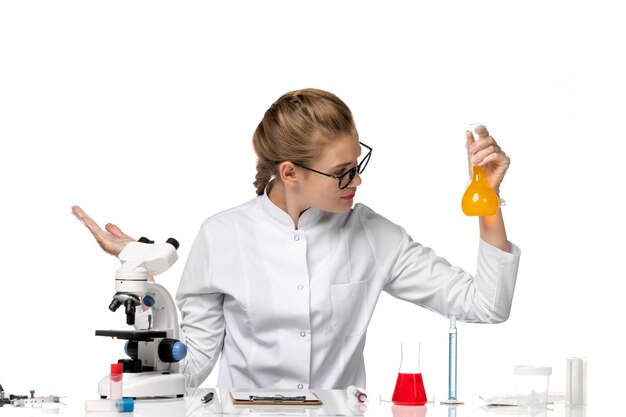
112,240
116,231
93,227
479,156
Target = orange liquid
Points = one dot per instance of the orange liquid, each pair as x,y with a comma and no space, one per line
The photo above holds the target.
479,198
409,390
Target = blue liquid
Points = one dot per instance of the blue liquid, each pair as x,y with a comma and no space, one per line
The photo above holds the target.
452,367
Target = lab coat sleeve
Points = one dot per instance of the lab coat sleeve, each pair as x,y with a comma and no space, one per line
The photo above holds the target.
201,308
420,276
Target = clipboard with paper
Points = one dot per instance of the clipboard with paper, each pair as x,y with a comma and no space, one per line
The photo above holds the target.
275,397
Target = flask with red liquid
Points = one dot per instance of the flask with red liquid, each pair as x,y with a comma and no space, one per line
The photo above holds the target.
410,383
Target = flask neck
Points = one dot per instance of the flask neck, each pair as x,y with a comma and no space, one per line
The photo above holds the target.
410,358
480,177
479,173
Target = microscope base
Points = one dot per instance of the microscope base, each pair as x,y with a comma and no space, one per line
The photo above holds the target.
146,385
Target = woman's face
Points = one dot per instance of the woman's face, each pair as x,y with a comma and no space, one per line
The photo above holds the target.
322,192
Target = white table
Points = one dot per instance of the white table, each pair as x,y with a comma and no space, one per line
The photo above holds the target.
334,404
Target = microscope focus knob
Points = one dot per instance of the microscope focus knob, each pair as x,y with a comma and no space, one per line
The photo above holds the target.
172,350
149,300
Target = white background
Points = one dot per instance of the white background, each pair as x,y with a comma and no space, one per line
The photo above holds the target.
143,112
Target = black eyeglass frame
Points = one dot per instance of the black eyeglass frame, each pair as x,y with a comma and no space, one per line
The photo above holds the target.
360,167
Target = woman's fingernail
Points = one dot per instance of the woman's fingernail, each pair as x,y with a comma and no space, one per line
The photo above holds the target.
475,160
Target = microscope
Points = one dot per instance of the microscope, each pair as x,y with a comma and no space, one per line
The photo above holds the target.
153,348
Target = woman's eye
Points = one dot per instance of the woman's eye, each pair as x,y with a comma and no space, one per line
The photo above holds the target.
343,171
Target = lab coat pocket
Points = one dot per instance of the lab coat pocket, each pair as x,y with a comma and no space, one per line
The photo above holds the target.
349,308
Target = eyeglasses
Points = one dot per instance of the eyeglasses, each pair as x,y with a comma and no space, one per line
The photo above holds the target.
346,178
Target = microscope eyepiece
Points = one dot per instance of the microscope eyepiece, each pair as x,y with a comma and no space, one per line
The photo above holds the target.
173,242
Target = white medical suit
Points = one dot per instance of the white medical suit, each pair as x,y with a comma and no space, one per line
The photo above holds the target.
289,308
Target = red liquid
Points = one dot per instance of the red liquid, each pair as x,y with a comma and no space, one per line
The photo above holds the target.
409,390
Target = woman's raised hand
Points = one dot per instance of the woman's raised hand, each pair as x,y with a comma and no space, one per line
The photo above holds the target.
483,150
112,240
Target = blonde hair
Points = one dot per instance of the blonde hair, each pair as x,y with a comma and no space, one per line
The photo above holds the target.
294,129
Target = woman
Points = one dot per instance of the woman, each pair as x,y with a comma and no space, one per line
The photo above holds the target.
283,286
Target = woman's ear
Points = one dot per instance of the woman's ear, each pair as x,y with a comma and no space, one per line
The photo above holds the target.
288,174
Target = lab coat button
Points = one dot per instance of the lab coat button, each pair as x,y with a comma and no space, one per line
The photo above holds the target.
300,287
302,333
300,386
296,238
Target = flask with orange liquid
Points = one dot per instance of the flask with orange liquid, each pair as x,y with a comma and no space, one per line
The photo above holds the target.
479,198
409,388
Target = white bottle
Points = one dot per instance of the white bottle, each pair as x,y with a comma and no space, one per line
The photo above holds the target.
576,381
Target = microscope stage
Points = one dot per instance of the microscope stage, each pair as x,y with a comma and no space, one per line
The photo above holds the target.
138,335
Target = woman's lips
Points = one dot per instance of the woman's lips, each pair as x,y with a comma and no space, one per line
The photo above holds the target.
349,197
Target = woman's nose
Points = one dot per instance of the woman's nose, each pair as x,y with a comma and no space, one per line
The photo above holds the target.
356,181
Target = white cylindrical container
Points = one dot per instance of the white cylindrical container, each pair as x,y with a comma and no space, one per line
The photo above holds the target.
532,385
576,381
121,405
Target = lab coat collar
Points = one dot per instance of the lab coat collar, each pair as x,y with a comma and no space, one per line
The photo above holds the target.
307,218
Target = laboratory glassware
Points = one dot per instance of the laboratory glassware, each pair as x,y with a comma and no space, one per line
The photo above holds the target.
409,388
479,198
532,385
452,345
